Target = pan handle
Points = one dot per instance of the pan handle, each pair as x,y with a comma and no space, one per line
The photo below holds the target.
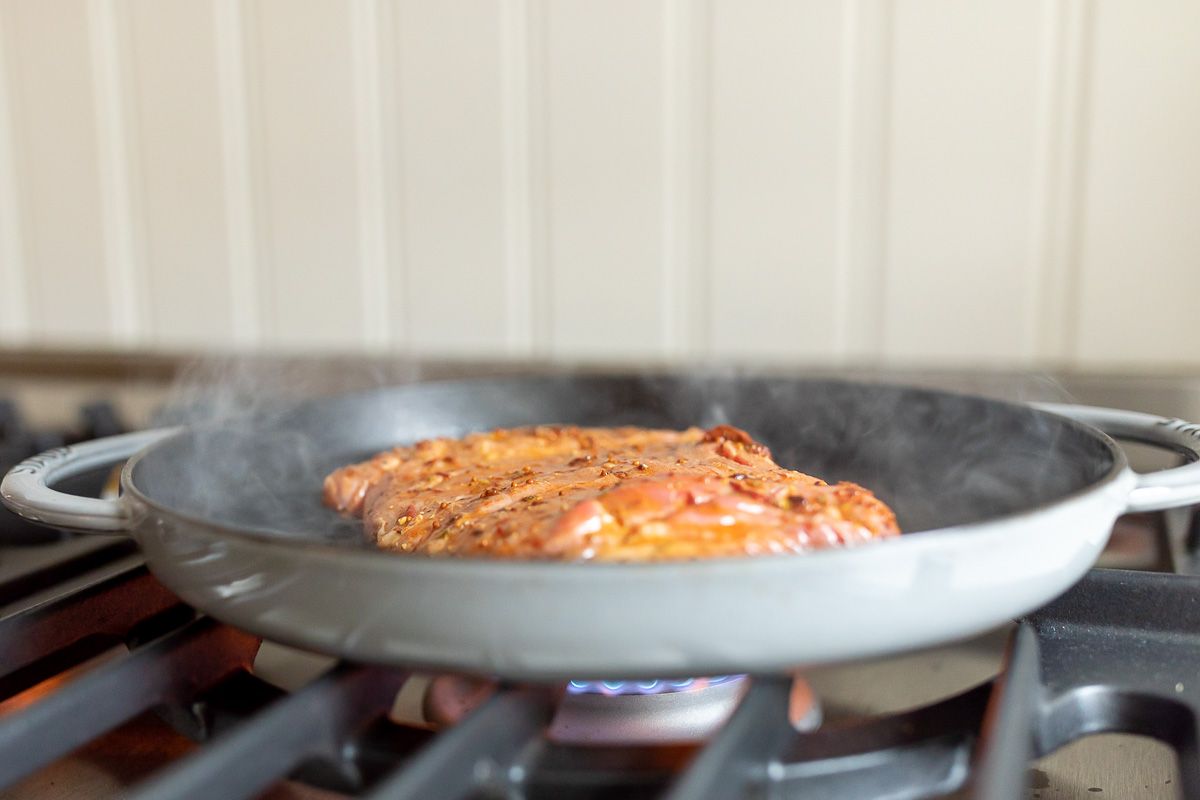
1155,491
26,488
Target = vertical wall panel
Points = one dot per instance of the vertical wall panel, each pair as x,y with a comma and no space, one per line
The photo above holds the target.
180,161
1065,60
312,287
603,88
537,157
1140,247
14,299
959,236
688,132
452,170
684,144
54,147
774,113
236,82
371,40
863,133
936,182
516,108
119,169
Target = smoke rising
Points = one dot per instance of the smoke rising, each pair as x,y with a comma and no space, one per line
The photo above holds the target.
249,461
265,432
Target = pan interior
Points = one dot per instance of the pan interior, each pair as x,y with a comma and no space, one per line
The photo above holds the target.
938,459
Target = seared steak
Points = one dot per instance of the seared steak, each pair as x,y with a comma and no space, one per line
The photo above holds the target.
626,494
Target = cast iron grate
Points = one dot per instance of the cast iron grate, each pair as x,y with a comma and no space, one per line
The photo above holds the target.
1115,654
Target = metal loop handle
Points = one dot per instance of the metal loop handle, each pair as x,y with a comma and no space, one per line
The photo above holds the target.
26,488
1155,491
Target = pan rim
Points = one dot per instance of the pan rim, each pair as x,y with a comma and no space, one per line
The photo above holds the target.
920,538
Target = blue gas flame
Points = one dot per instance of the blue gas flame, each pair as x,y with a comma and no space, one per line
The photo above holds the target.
615,688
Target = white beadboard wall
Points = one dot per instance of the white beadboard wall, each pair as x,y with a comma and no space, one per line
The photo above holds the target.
921,181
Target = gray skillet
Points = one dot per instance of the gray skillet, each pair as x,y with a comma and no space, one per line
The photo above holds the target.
1004,507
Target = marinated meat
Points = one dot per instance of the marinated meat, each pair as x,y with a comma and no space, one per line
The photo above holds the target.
615,494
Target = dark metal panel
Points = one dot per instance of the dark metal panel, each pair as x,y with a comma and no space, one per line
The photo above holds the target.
107,600
1119,654
479,751
174,668
1006,740
316,721
740,754
920,753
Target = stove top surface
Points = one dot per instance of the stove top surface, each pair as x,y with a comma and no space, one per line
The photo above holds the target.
85,605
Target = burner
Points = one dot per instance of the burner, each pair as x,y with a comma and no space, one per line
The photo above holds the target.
661,711
589,712
645,712
615,688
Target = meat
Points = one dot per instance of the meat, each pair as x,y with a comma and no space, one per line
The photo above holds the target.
613,494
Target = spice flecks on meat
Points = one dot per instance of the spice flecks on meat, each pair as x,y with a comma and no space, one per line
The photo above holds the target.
624,494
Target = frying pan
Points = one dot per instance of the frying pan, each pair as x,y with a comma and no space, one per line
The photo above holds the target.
1004,507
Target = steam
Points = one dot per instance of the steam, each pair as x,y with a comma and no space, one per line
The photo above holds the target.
265,432
216,389
249,460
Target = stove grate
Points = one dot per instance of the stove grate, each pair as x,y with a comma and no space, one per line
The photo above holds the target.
1115,654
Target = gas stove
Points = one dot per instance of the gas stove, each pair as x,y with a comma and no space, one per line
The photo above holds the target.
112,687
